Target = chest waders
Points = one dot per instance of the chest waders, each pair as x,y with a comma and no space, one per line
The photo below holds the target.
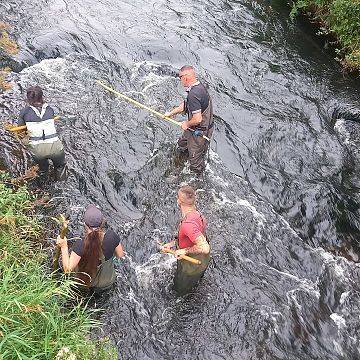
197,146
187,274
104,278
105,275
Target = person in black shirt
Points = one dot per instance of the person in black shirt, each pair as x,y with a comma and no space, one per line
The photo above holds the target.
199,110
92,256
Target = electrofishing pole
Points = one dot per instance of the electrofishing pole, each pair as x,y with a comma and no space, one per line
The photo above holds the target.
183,257
142,106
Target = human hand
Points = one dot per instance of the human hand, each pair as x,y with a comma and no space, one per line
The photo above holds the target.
184,125
167,246
61,242
180,253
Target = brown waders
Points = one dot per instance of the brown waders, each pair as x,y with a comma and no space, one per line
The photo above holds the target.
195,147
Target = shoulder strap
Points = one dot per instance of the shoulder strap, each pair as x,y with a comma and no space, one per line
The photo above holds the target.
37,112
102,258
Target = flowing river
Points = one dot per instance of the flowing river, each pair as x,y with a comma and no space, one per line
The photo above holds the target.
280,190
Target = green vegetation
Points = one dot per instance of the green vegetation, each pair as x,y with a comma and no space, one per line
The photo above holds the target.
340,19
36,318
8,47
6,43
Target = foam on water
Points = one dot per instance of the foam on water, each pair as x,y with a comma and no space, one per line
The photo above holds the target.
338,348
343,296
257,215
262,125
215,178
50,69
338,320
341,129
139,305
157,264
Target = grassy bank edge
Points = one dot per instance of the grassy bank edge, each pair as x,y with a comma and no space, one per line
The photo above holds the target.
340,20
36,318
8,47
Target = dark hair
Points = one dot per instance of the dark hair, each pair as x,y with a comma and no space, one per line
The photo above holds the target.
188,195
34,96
90,260
187,67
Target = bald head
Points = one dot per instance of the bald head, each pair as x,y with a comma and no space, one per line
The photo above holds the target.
186,196
187,75
187,68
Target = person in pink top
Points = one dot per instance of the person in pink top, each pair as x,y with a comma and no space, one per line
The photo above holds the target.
191,240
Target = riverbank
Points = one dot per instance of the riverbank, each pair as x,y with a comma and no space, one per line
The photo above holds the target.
36,318
8,47
338,19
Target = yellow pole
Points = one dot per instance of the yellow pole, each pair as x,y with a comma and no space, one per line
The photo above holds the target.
184,257
142,106
23,127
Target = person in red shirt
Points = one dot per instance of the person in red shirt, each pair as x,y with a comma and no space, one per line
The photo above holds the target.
191,240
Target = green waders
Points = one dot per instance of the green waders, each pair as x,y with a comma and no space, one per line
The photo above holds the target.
105,275
104,278
188,274
43,152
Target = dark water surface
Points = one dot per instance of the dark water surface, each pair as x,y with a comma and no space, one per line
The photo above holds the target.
280,190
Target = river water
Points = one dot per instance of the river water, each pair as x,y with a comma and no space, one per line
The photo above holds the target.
280,190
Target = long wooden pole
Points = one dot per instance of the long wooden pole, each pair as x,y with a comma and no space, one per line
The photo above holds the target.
23,127
142,106
183,257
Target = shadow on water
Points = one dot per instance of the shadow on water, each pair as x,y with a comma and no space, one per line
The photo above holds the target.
279,192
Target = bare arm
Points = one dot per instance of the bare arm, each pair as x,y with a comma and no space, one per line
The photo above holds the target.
168,245
119,251
201,246
179,109
69,262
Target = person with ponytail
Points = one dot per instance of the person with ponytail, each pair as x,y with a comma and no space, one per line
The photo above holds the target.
92,257
44,142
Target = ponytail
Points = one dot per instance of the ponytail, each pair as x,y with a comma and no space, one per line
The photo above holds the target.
90,260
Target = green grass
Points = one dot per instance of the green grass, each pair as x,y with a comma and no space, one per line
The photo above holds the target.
36,320
339,18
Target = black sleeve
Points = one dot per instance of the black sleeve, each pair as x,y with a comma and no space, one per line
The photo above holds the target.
193,102
78,247
49,112
21,120
111,241
115,239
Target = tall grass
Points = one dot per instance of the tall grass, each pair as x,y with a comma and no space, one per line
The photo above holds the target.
36,320
340,18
